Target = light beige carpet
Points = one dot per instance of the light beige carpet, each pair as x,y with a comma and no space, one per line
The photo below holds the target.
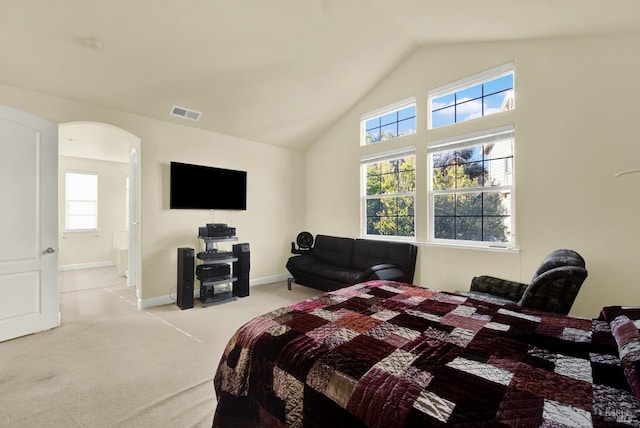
111,365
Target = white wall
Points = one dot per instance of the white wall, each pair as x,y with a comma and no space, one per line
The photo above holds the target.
78,249
575,125
271,222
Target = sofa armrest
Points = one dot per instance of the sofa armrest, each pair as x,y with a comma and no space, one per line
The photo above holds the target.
382,271
503,288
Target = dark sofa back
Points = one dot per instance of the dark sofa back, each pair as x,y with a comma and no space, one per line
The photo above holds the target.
368,252
334,250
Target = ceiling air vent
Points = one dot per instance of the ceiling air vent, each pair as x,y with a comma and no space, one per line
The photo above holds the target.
185,113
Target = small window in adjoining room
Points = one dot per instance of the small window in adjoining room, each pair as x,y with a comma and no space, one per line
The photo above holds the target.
81,201
471,192
480,95
389,191
387,123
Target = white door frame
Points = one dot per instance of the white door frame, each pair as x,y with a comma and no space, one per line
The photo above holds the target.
134,221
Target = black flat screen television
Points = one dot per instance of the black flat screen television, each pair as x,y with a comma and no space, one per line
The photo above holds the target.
201,187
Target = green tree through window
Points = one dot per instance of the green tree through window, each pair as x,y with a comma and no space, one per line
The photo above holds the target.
390,197
471,192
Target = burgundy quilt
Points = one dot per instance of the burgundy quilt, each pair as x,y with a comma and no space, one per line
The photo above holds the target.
387,354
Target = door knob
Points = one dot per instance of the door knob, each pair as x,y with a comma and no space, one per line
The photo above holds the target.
50,250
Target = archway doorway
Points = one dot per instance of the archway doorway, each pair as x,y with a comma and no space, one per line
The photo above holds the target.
110,148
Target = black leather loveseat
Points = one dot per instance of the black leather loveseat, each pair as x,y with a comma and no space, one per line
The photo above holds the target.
336,262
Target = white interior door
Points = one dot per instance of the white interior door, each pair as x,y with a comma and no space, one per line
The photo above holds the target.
28,224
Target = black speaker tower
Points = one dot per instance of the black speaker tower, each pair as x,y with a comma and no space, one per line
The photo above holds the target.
186,262
241,270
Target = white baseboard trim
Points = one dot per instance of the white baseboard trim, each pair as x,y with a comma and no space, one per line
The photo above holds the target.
268,279
156,301
170,299
85,266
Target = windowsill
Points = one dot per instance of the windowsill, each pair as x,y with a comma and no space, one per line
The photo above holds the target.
388,238
497,248
80,233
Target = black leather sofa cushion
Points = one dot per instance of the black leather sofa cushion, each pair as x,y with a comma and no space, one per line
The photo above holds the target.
334,250
312,265
368,252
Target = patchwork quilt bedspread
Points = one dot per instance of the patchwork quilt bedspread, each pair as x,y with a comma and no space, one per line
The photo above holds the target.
387,354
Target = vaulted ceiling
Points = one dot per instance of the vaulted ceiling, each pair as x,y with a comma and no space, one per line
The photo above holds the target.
273,71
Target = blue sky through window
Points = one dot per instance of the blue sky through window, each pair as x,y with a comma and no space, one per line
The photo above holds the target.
391,125
469,103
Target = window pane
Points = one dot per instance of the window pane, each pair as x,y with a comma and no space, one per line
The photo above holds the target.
469,110
469,228
494,103
405,226
393,124
407,113
445,159
389,132
471,175
442,102
407,181
389,183
390,215
388,207
500,167
500,172
495,229
81,222
373,136
495,203
443,117
81,186
405,205
442,180
407,127
444,205
373,207
500,149
389,118
444,228
469,204
488,97
373,226
372,123
373,185
499,84
471,154
81,200
81,208
469,94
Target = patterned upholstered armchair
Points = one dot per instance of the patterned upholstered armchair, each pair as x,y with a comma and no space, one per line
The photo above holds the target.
554,286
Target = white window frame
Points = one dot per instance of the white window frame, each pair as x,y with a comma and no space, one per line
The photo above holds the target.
468,82
463,141
378,157
391,108
90,201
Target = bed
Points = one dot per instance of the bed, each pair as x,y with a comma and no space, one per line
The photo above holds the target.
388,354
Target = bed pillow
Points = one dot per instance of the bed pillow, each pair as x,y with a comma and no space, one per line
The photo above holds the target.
627,336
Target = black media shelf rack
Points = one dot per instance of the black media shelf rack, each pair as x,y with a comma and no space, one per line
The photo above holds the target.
217,289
